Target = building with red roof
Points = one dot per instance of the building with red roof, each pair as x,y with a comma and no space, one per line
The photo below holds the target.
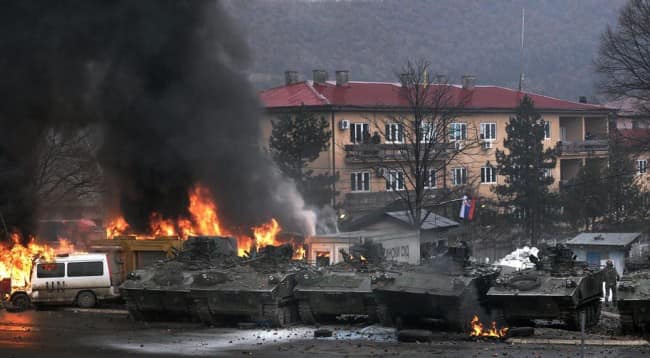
358,111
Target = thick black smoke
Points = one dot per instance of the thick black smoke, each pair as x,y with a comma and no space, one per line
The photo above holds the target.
164,81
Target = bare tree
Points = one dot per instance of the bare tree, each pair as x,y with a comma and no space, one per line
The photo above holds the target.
67,169
624,56
424,142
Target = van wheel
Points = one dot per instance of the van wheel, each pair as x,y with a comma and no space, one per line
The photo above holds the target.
20,301
86,299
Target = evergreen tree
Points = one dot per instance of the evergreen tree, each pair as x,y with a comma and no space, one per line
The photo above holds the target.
525,164
298,139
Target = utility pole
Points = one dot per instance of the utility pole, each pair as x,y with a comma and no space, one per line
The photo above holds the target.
521,64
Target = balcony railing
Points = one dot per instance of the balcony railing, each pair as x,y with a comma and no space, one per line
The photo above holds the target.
584,146
392,152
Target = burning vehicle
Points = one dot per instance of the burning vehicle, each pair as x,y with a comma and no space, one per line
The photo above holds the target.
557,288
80,279
634,295
449,288
17,265
321,291
217,273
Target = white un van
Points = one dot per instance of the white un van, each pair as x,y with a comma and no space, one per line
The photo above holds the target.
81,279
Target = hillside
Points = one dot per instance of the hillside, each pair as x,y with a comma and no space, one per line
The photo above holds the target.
373,39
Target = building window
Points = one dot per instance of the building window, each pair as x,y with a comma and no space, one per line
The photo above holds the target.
430,181
548,173
427,132
359,133
642,165
395,180
394,133
457,131
459,176
488,175
488,134
360,181
547,130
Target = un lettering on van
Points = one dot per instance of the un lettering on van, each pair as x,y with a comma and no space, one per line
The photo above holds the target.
396,252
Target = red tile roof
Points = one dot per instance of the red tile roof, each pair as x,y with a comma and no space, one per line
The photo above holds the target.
383,94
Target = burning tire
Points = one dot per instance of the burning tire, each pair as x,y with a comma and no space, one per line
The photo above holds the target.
20,302
86,299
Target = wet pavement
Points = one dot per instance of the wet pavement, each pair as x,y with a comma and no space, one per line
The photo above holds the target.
110,333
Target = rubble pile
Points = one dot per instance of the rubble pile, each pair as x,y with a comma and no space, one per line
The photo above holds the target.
519,259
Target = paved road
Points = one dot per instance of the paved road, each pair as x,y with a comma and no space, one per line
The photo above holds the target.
97,333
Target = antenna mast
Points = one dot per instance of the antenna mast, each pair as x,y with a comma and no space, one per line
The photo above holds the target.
521,74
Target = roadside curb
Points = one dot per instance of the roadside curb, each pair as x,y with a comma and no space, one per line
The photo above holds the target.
96,310
576,342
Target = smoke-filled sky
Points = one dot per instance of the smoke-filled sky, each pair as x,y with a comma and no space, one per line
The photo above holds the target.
164,80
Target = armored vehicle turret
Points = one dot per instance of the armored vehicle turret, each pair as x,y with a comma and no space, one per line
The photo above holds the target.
343,289
449,287
161,291
557,287
259,289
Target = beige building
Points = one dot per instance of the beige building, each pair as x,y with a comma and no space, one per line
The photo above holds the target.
358,110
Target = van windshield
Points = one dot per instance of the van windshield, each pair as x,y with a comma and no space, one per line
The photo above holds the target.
48,270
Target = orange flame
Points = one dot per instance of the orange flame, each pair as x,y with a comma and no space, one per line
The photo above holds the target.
16,261
265,234
493,331
204,211
160,226
117,226
300,254
203,221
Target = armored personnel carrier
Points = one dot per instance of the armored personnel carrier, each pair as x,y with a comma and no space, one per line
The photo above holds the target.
557,287
161,291
634,295
342,289
449,288
259,289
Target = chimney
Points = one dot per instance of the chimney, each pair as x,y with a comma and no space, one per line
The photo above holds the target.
342,77
468,82
404,79
582,99
290,77
320,76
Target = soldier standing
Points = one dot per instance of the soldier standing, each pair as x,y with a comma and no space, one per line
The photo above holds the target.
611,276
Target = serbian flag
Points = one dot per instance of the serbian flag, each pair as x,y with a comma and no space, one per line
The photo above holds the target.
467,208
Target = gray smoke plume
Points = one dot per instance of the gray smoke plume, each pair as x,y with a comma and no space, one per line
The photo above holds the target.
164,80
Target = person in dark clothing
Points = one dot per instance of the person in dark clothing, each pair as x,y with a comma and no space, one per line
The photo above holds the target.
610,276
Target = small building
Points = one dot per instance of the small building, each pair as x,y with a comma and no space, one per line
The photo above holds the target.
129,253
597,248
403,246
432,231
